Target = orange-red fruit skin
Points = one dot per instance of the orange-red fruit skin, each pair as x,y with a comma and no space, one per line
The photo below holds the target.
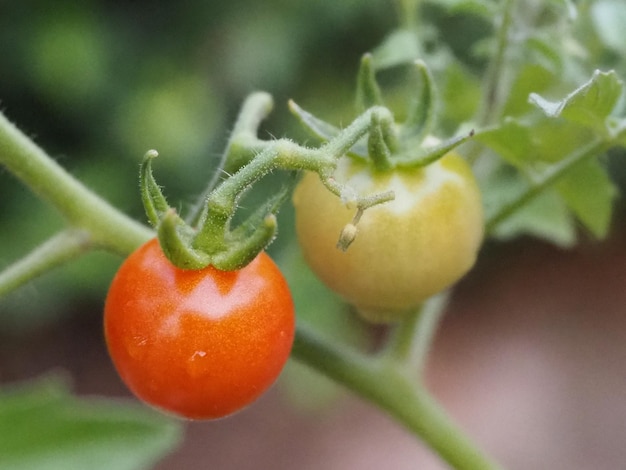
198,344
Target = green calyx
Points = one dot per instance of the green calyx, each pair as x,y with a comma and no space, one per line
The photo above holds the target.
207,236
211,241
389,144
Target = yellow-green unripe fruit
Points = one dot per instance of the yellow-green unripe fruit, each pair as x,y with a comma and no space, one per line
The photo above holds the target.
405,250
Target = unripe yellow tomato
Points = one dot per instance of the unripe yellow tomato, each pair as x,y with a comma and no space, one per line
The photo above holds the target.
405,250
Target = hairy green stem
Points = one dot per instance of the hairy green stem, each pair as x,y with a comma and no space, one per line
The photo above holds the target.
411,340
408,11
395,391
357,129
286,155
494,83
254,110
242,146
108,228
58,250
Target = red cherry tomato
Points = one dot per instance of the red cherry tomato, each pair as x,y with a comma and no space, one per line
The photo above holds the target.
199,344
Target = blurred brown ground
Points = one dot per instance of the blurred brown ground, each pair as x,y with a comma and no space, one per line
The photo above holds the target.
530,360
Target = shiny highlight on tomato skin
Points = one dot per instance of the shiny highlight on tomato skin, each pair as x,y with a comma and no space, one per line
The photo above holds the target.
199,344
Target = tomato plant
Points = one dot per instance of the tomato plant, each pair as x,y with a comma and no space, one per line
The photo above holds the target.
200,344
406,249
541,88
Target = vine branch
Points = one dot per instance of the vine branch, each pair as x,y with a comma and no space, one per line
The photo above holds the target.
411,340
395,391
82,208
494,83
58,250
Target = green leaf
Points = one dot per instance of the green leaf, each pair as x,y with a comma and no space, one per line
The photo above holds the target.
589,192
532,78
511,141
461,92
618,131
554,139
527,146
547,52
609,18
589,105
44,428
402,46
546,216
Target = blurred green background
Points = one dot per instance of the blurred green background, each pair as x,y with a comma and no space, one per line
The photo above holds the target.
97,83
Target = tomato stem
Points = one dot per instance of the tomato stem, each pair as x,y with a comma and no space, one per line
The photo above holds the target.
242,146
411,340
408,11
494,84
395,391
357,129
56,251
108,228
